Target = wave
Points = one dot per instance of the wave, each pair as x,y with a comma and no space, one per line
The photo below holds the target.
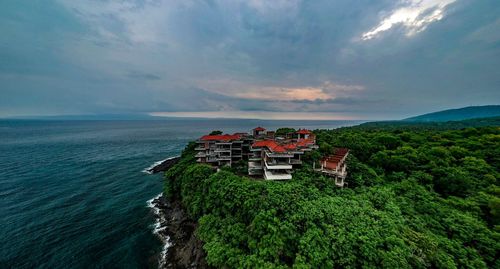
149,170
158,227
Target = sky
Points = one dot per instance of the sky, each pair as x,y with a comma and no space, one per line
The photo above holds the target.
322,59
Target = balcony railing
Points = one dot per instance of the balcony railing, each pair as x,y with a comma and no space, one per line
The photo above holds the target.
222,150
278,166
272,175
200,155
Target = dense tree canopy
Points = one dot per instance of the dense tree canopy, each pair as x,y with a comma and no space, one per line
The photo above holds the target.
417,198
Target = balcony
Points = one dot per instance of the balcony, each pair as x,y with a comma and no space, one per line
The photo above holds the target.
222,150
224,143
278,155
278,166
295,161
200,148
200,155
274,175
211,160
254,165
255,168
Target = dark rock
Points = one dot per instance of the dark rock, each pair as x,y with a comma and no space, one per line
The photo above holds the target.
164,166
186,250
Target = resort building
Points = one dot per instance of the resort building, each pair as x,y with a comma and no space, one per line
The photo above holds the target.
275,159
335,166
269,156
220,150
259,131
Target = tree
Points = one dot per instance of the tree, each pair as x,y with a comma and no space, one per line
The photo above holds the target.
216,132
284,131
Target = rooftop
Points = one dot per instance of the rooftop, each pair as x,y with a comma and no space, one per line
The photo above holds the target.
270,144
285,146
304,131
224,137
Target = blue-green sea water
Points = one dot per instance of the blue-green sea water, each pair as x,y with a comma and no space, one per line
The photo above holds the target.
73,194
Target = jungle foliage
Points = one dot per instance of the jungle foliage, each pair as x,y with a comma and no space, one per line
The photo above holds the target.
426,198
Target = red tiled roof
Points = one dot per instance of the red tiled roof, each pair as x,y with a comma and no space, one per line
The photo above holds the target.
332,161
305,142
259,129
275,147
290,146
303,131
270,144
341,151
225,137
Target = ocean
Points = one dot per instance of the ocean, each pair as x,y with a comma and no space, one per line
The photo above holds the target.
74,194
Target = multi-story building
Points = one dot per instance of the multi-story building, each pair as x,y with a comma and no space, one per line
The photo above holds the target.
335,166
220,150
276,159
273,158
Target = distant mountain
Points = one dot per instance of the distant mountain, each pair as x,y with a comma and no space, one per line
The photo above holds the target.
458,114
426,125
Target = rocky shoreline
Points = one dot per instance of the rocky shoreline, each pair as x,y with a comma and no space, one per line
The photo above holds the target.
182,248
162,166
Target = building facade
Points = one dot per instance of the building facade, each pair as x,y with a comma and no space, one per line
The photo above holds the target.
268,156
276,158
220,150
335,166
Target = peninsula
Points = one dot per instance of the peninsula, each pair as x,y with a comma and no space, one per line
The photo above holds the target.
412,197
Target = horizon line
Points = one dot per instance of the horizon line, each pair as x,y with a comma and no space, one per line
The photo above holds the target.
261,115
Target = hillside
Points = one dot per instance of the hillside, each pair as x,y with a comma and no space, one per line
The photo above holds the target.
471,112
426,125
426,198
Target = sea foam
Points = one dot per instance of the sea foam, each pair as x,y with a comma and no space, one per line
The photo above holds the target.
149,170
158,227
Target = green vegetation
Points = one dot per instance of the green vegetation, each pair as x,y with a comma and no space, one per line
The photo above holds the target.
464,113
417,198
449,125
284,131
215,132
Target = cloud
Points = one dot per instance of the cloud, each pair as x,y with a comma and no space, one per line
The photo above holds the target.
414,16
268,115
105,56
326,91
489,33
142,75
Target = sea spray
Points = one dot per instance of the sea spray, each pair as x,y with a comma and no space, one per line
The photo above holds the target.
159,228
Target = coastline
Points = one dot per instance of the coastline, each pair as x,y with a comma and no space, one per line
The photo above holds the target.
181,248
161,166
